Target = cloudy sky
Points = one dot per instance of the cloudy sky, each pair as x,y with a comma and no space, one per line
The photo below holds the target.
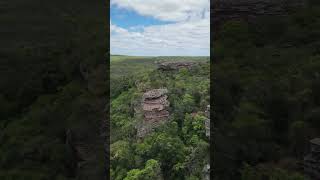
160,28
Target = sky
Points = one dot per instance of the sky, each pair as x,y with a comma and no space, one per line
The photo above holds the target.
160,27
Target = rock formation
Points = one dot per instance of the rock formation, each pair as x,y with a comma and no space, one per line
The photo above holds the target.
206,172
223,10
155,111
167,66
207,122
311,162
206,169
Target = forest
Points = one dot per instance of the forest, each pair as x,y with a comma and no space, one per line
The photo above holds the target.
266,103
178,149
51,87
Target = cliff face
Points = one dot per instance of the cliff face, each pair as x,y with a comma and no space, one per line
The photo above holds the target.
155,111
248,10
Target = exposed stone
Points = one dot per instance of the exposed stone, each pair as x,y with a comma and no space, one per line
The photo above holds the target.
207,122
156,114
206,169
206,172
311,162
154,110
155,93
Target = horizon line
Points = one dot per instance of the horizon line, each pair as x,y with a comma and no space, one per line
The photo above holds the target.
160,55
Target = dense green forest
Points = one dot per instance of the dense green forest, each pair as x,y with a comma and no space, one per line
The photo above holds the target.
266,101
44,91
178,149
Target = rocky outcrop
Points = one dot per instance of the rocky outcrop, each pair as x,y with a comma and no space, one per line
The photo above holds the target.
206,169
155,111
311,162
224,10
169,66
207,122
206,172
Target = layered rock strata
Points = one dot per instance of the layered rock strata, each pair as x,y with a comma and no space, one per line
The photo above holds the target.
155,111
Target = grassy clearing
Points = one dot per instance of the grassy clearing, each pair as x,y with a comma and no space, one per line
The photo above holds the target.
119,58
130,65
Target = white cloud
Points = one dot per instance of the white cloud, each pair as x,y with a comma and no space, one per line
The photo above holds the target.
179,39
167,10
189,34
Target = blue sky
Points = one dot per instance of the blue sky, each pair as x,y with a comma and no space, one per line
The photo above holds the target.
125,18
160,28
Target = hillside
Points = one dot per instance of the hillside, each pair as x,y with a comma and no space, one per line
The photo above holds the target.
177,148
266,95
52,89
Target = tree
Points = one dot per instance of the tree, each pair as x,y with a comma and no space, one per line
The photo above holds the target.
188,103
151,171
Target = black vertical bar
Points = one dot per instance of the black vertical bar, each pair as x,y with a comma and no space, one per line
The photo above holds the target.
107,112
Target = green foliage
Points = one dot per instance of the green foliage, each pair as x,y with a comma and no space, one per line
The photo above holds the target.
266,100
165,148
151,171
171,149
43,90
194,128
188,102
